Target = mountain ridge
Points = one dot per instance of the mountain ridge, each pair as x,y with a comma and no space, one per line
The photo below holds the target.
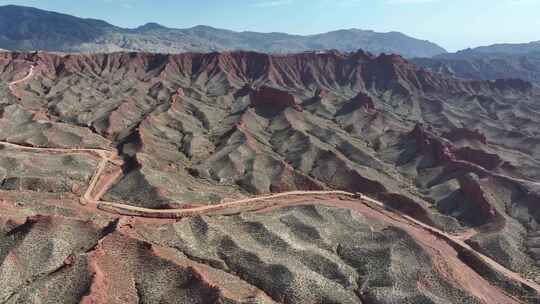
29,29
520,60
500,48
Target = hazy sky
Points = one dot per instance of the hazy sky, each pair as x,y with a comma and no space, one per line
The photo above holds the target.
453,24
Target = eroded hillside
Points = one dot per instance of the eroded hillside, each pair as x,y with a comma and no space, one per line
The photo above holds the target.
91,143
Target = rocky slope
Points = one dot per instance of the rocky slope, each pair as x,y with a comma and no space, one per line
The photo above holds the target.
30,29
197,129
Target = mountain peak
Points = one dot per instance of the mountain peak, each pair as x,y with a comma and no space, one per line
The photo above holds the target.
202,27
151,26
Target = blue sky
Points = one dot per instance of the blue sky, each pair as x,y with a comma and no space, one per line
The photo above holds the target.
453,24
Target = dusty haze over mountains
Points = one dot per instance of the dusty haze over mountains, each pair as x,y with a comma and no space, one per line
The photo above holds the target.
248,177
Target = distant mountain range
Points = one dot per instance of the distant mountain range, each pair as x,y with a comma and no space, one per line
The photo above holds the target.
489,62
29,29
501,49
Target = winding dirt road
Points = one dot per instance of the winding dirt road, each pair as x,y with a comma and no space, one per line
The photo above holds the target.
457,242
12,85
180,213
127,210
105,156
110,157
454,241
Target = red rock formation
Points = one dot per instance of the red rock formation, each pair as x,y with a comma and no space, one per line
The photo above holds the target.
486,160
454,158
464,133
359,71
364,101
360,101
512,84
276,99
484,212
428,144
290,180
